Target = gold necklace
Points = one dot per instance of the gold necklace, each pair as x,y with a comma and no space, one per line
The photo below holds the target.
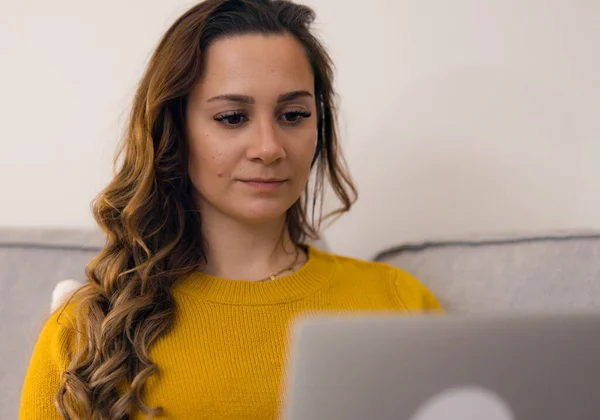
274,275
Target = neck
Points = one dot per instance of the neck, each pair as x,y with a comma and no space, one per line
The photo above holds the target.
247,251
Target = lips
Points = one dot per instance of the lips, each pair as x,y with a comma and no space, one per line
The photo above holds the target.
264,180
264,184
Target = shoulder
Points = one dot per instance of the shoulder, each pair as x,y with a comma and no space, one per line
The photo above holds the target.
409,292
57,338
49,360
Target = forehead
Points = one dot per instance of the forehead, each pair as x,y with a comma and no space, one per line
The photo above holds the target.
255,65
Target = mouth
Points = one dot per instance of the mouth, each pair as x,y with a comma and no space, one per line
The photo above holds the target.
265,184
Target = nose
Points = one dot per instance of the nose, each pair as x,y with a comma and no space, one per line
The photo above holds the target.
265,146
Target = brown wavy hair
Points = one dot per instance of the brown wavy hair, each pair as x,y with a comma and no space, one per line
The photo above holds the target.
151,225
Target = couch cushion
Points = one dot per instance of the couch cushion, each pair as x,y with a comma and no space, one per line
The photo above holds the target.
549,273
32,262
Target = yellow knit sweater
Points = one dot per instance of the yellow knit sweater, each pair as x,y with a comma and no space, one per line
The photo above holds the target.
224,358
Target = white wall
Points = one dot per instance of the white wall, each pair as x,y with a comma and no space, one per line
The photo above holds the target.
459,118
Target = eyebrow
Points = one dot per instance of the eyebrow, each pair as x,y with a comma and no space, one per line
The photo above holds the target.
245,99
290,96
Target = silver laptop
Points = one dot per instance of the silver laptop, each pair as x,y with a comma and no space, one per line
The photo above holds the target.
528,367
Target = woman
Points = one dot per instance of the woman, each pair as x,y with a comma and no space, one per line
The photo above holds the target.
186,309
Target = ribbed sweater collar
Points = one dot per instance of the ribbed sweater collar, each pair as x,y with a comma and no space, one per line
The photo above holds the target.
312,276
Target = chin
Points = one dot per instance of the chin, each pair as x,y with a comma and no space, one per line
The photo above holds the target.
260,217
263,213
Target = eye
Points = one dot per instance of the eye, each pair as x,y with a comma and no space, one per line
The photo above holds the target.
294,117
231,119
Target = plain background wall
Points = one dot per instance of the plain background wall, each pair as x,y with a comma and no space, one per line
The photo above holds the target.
458,118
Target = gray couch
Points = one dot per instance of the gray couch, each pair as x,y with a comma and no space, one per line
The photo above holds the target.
549,273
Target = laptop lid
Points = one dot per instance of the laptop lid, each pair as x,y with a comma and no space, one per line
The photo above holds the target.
528,367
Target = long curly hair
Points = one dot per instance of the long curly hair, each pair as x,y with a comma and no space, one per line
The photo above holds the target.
148,216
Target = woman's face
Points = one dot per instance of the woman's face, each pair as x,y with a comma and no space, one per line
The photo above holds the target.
252,127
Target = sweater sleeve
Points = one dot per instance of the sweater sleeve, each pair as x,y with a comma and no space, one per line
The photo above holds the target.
48,362
414,296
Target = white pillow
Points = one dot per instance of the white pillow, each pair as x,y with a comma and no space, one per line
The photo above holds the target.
63,291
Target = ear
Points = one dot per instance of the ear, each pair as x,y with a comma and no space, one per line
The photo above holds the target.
62,292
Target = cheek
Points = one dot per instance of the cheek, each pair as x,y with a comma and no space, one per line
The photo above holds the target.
303,149
207,160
